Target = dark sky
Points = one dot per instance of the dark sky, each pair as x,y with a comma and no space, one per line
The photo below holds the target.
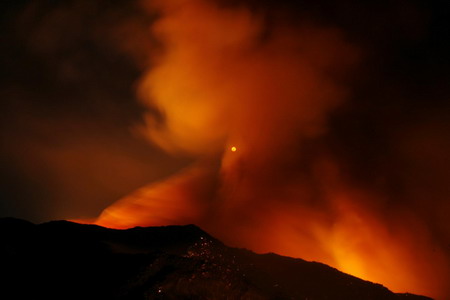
69,146
70,143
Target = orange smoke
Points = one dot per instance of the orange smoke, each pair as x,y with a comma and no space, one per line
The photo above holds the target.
178,200
228,85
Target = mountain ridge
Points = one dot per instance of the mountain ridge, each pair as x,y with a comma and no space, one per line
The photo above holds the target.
62,259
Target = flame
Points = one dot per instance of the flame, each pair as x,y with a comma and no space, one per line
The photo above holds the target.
226,78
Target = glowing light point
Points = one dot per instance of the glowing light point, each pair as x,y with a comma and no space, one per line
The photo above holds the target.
233,149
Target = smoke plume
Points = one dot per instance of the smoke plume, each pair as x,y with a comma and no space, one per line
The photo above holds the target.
226,76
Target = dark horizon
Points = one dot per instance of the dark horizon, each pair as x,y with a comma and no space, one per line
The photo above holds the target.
176,262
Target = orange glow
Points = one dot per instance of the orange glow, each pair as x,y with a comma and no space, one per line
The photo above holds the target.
177,200
224,78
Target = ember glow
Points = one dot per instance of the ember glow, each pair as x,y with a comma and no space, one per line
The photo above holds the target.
224,78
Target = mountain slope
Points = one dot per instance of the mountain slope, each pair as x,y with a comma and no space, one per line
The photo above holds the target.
64,260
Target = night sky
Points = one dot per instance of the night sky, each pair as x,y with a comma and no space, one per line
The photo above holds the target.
72,140
68,109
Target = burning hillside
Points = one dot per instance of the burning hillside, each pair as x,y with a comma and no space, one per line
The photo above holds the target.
65,260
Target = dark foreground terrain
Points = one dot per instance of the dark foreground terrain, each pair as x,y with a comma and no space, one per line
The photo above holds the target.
64,260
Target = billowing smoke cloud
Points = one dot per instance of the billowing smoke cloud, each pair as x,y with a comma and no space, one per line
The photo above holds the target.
226,77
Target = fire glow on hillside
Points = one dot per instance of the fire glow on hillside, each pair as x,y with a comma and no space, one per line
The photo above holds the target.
226,81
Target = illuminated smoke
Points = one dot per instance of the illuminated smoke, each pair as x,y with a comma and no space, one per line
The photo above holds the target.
251,101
